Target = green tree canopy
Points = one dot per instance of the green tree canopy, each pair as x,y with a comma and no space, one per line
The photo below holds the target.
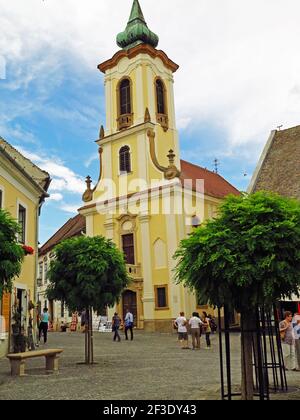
87,272
248,256
11,253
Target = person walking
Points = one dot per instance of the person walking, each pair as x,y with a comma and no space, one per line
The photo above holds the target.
128,324
195,324
297,342
207,330
116,322
288,341
181,323
43,327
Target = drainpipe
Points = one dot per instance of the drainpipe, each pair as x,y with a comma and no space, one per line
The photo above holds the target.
34,326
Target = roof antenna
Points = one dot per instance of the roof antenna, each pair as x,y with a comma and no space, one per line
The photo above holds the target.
217,164
279,127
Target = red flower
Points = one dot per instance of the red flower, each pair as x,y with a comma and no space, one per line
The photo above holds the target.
28,250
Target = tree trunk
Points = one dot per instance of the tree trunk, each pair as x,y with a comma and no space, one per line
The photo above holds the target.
248,327
86,339
92,336
89,345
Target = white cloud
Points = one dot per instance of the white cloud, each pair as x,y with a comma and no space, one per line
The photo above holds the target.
239,63
70,208
55,197
90,160
17,132
63,178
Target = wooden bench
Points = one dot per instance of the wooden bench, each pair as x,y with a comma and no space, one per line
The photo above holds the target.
17,360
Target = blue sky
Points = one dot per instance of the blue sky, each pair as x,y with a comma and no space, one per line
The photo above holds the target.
238,80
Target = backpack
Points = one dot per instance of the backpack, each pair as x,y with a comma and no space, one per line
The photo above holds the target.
213,325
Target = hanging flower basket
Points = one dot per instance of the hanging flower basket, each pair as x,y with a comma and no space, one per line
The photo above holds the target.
28,250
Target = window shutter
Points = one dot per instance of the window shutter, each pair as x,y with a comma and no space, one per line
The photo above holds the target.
125,161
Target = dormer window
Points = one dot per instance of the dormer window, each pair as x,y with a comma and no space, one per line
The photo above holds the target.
125,160
125,119
161,105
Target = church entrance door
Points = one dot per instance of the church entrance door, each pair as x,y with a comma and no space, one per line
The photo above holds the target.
130,303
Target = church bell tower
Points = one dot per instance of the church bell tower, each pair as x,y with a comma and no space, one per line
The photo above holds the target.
140,137
141,201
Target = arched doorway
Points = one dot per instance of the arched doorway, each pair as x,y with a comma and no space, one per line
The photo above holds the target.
130,302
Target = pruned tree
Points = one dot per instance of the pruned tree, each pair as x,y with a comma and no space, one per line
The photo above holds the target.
248,256
87,274
11,253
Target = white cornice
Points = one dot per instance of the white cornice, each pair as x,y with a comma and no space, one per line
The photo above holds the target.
126,133
159,191
18,180
125,66
136,129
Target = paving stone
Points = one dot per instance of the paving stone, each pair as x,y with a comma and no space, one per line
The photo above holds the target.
152,367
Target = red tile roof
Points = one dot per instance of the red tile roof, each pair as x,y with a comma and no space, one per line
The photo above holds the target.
73,227
214,184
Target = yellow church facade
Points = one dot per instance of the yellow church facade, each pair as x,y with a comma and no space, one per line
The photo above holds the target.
23,188
147,199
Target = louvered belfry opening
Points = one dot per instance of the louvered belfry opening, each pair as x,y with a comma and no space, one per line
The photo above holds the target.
160,97
125,100
125,118
125,161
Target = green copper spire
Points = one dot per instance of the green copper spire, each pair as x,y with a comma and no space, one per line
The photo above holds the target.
137,31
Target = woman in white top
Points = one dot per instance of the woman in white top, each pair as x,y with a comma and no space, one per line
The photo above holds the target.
195,323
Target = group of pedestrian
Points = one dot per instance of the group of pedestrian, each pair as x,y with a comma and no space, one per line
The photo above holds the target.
197,326
128,326
290,336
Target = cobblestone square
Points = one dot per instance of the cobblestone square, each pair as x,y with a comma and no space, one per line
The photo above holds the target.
152,367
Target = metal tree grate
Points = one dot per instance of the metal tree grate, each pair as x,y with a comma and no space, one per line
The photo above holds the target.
268,363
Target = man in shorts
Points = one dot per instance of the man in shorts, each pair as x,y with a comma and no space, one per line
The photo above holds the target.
180,324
